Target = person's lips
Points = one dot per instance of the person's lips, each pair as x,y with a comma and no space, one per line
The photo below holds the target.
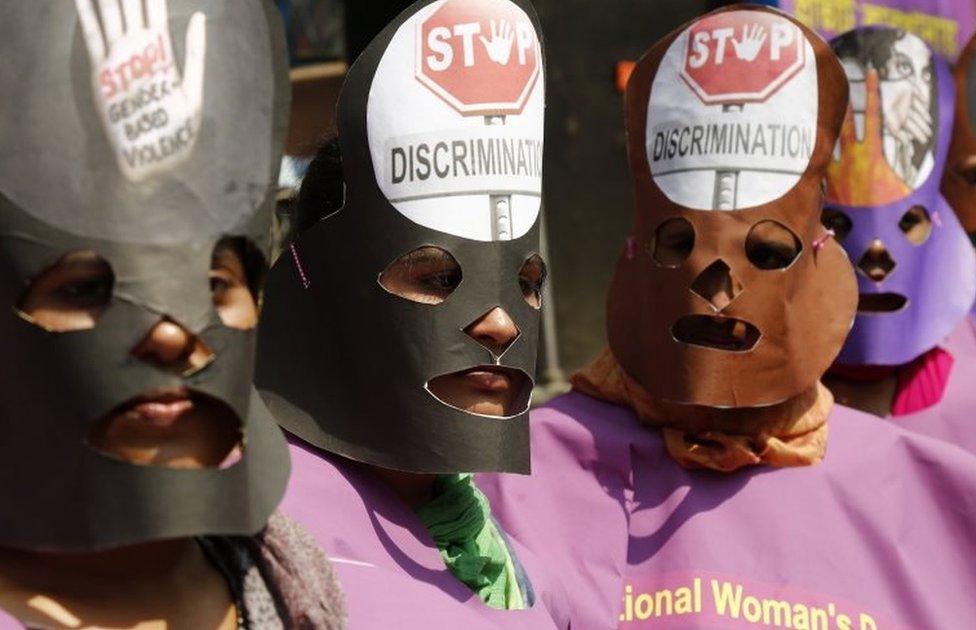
488,380
158,409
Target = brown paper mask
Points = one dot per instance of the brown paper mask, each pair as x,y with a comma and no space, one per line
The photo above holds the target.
729,293
959,179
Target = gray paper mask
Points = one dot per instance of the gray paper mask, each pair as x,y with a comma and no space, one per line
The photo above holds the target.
428,153
146,139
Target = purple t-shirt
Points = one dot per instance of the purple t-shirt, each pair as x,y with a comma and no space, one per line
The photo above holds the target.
878,535
390,570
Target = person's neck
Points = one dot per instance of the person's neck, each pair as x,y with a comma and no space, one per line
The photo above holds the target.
875,396
414,489
156,560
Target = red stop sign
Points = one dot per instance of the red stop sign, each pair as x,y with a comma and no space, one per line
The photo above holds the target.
481,56
742,56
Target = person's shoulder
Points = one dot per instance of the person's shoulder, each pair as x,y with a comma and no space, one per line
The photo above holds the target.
863,444
575,413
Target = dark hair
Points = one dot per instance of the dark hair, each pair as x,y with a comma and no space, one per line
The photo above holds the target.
321,193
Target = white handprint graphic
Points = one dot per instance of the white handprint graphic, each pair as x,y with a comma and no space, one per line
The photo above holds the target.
499,49
747,48
151,115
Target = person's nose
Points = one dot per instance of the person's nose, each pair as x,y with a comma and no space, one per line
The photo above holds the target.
717,285
876,262
171,346
494,330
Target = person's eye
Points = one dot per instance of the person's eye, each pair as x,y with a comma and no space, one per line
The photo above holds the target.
232,298
532,277
836,220
86,293
916,225
443,281
70,295
674,240
427,275
771,245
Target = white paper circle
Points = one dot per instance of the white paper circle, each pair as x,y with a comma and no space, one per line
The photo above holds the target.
732,116
448,165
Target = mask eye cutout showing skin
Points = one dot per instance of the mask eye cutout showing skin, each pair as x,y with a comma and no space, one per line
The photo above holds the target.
70,295
838,221
173,428
771,245
487,390
916,225
426,275
674,239
531,277
231,286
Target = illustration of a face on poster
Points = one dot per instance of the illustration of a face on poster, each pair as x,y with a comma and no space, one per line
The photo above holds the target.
893,97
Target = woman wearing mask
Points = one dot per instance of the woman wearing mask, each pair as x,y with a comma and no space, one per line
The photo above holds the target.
689,479
399,331
909,357
141,471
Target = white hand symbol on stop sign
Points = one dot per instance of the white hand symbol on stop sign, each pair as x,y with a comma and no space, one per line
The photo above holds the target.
151,115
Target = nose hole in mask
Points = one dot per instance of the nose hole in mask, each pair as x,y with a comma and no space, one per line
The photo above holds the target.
495,331
876,262
717,285
170,346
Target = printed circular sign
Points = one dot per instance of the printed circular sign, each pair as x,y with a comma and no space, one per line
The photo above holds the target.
890,151
455,119
732,117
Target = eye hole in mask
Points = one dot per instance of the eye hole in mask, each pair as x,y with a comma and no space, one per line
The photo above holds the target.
70,295
771,245
236,267
532,276
835,220
674,239
916,225
426,275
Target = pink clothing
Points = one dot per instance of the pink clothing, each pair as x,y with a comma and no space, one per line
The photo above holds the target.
390,571
953,418
878,535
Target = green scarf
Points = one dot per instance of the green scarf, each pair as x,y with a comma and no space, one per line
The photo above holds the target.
459,520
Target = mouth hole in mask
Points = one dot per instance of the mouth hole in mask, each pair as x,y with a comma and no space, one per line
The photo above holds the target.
237,269
771,245
70,295
674,240
174,428
916,225
492,391
426,275
878,303
728,334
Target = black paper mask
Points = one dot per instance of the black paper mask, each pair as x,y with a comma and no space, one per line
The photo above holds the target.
145,138
440,126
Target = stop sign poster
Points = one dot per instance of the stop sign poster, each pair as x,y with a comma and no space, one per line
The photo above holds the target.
455,119
732,118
